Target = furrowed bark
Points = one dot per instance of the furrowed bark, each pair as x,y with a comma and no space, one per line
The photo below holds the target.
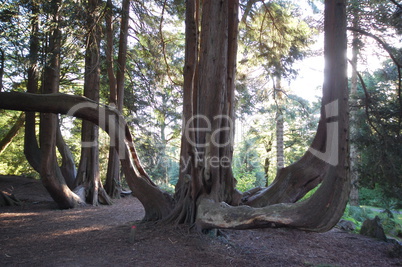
50,173
330,150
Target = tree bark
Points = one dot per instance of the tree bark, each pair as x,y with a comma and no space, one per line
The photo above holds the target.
116,85
31,146
2,58
51,176
280,157
210,66
184,192
67,167
324,209
354,175
88,171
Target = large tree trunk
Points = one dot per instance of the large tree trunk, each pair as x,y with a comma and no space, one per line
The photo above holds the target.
51,176
116,84
327,159
31,147
207,141
88,171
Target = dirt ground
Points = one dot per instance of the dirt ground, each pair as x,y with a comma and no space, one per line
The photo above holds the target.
38,234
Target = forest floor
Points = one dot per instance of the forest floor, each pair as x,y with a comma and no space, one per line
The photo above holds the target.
38,234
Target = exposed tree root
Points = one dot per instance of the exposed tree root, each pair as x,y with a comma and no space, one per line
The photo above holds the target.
319,213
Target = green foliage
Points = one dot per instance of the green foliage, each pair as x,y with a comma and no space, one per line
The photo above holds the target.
247,166
13,160
310,193
391,222
245,179
378,137
277,36
370,197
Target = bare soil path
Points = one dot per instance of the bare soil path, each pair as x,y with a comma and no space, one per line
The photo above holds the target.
38,234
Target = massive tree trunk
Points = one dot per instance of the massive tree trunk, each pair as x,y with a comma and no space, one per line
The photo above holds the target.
88,171
326,160
51,176
207,136
206,193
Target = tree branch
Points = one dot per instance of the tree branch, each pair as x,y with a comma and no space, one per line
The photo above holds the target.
381,42
396,3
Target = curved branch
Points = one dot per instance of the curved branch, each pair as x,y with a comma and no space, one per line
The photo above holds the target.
310,215
381,42
156,202
396,3
394,59
164,45
368,98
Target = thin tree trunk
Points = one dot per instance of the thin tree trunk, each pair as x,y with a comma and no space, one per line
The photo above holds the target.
354,175
280,157
112,184
2,58
186,187
268,148
8,138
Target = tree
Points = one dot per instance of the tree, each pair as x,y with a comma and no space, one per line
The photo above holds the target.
51,175
116,85
354,192
376,24
281,38
88,170
205,193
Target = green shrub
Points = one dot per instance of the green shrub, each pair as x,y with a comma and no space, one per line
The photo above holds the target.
370,197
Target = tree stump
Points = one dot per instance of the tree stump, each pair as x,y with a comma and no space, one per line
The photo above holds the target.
373,228
7,199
